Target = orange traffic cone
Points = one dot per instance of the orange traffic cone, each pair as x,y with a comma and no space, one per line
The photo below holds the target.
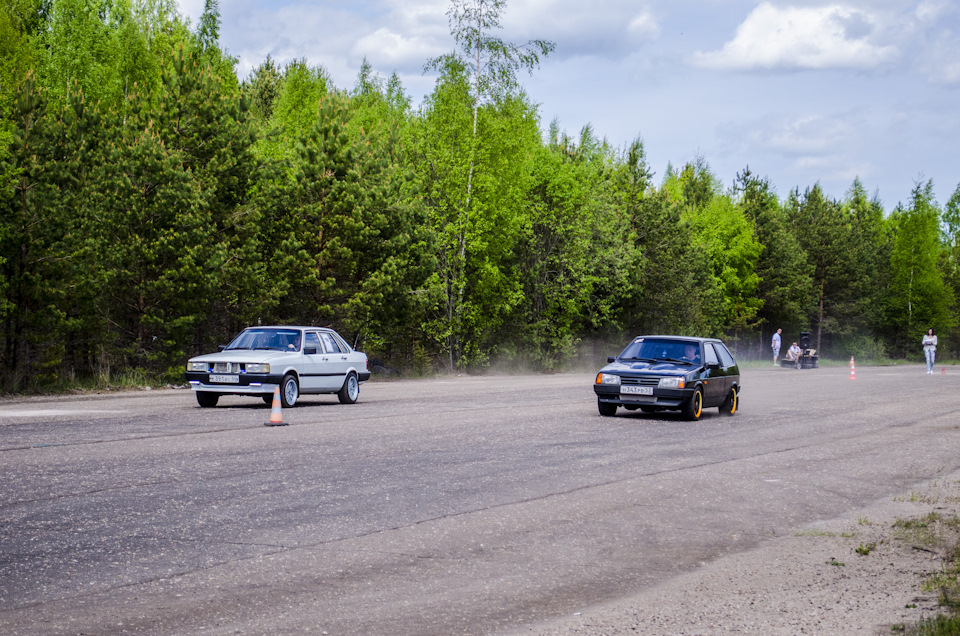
276,413
853,369
943,370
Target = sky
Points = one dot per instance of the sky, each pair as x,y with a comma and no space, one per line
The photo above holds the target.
801,92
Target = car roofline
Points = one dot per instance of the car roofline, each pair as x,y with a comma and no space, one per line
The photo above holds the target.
672,337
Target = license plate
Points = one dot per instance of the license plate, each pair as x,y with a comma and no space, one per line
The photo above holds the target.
225,379
636,390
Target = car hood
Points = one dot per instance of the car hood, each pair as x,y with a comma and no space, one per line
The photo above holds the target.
651,368
244,355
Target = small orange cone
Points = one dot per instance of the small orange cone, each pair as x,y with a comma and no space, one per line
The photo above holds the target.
853,369
943,371
276,413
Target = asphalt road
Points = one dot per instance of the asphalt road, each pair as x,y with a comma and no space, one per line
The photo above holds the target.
468,505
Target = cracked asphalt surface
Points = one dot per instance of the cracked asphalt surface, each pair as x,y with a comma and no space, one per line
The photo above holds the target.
459,505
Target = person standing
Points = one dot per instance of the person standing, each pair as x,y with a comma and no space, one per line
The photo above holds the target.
930,349
775,345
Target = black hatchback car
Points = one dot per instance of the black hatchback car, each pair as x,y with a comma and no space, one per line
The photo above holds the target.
656,373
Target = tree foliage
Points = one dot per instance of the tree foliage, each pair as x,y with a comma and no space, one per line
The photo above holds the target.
918,298
151,205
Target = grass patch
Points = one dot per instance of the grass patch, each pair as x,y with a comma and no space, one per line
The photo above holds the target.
939,625
823,533
933,531
914,497
130,380
939,534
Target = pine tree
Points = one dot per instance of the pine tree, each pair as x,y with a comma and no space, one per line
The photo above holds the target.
918,298
785,275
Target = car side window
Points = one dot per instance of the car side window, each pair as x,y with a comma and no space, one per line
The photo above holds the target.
711,354
725,356
329,343
344,347
312,341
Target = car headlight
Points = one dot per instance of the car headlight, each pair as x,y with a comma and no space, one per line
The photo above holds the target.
258,367
671,383
196,366
608,378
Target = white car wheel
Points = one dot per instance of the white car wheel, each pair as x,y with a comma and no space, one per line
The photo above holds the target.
350,390
289,391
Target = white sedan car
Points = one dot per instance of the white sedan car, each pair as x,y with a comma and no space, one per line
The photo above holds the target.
300,360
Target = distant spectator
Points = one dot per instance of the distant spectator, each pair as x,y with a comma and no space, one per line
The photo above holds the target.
775,345
793,354
930,349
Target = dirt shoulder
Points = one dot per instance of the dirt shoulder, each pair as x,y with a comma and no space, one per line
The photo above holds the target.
812,582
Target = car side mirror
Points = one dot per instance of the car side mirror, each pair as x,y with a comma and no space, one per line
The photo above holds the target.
221,347
611,359
309,351
713,365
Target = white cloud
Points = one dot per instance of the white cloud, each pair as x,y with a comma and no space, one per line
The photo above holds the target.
931,10
940,63
827,37
607,29
644,24
389,49
192,9
804,139
393,36
938,26
809,136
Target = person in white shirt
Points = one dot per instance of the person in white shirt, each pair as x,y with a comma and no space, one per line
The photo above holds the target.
930,349
793,354
775,345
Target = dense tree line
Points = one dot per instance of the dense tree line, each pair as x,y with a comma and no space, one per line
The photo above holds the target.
152,204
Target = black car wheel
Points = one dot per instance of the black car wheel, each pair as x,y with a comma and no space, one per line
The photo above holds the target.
694,406
730,405
206,399
606,409
350,390
289,391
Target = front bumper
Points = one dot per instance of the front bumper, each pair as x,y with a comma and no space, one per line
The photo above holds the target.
246,384
663,398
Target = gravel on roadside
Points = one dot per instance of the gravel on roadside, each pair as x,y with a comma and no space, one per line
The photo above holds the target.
854,575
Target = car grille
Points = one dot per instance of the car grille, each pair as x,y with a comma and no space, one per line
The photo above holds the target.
226,367
641,381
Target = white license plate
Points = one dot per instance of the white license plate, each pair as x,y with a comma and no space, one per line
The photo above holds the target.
636,390
225,379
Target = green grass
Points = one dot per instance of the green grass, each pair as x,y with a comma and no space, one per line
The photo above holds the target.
127,381
864,550
823,533
940,534
939,625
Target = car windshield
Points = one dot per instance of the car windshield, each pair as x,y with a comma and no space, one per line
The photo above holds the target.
662,349
272,339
